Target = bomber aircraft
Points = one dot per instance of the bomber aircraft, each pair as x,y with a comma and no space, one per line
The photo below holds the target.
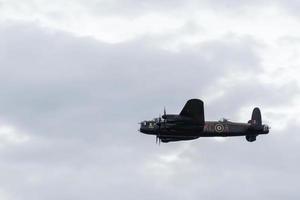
190,125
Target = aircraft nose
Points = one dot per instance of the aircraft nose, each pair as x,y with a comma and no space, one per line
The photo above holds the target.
143,130
142,127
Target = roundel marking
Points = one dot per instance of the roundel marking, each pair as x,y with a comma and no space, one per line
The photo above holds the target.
219,128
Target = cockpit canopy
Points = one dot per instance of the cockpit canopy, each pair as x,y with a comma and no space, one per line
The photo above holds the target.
223,120
148,124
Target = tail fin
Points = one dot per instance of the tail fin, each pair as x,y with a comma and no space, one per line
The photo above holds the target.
256,118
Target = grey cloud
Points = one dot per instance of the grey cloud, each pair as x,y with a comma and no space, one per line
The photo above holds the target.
252,93
291,7
55,73
80,100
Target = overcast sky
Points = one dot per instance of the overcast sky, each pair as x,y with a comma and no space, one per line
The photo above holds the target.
77,76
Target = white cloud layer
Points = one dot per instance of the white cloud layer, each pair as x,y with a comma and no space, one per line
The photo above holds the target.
8,135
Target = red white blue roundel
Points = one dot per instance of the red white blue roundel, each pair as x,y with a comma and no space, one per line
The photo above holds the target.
219,128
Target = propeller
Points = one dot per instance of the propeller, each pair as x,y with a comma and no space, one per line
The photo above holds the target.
159,125
158,140
165,113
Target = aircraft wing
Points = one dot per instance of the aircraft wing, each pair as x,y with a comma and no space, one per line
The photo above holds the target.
194,109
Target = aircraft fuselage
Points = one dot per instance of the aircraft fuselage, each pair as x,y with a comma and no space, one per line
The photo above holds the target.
190,124
181,131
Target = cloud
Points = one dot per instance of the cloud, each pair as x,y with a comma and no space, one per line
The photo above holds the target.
118,21
9,136
62,72
78,99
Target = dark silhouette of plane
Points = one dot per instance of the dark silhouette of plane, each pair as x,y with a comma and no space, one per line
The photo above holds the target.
190,125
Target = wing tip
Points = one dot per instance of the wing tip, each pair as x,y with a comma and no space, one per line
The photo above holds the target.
195,99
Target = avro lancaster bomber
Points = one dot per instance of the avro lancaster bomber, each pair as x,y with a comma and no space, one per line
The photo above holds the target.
190,125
